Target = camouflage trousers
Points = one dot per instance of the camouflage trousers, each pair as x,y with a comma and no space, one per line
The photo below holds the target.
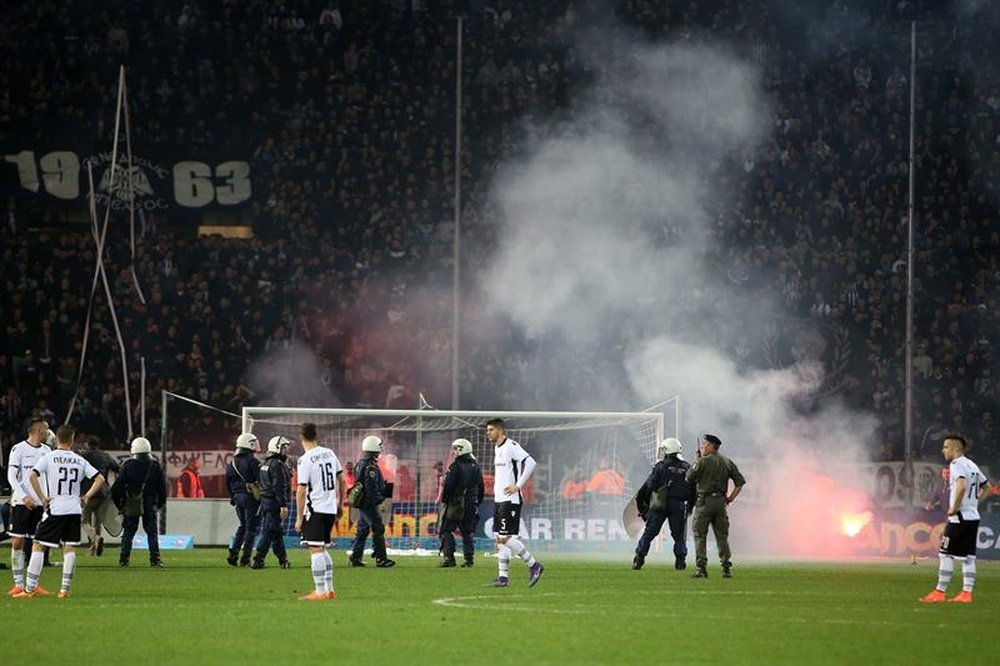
710,511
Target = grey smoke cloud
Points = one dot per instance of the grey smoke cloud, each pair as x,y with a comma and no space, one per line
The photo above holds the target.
611,209
291,375
608,234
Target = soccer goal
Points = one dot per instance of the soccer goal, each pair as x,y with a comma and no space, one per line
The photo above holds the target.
588,465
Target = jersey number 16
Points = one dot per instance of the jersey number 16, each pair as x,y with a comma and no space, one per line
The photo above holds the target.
329,481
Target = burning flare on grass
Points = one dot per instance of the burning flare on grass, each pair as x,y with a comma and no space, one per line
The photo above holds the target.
851,524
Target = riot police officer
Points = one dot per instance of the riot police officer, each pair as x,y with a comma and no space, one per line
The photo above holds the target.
711,474
461,495
140,490
368,474
243,482
665,496
275,493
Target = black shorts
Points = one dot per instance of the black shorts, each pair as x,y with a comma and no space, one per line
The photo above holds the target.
959,539
56,531
316,529
507,519
24,521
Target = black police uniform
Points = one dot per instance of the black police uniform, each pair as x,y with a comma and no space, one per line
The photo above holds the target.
667,477
464,480
275,494
366,471
142,469
243,469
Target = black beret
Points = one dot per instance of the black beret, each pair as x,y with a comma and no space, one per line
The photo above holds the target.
713,439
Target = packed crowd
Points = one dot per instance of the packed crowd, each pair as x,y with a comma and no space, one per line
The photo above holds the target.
345,109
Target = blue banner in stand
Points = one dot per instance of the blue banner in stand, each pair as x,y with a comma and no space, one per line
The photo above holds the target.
167,542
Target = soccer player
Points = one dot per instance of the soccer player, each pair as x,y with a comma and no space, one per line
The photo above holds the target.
318,500
26,510
968,486
64,472
512,467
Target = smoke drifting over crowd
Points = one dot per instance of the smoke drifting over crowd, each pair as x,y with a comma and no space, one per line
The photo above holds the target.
609,246
294,373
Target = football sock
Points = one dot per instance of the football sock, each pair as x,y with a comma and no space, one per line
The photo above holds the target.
17,566
969,573
944,572
319,571
520,550
34,570
503,561
69,564
327,572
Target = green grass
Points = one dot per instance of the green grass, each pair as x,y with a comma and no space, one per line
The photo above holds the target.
199,610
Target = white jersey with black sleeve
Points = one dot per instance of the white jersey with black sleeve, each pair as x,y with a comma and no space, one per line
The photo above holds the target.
963,468
62,473
317,471
23,458
512,466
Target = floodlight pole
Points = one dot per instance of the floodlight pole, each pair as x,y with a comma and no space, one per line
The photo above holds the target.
457,242
910,256
163,454
142,395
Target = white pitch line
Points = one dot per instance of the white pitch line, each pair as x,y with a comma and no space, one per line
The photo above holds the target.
470,602
458,602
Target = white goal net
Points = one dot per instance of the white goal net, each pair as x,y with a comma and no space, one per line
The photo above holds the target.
589,464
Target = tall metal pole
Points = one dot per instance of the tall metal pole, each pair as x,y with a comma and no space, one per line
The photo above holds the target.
142,396
908,400
164,426
457,244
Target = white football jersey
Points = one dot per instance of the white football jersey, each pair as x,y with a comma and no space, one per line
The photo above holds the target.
317,471
63,472
963,468
22,459
509,461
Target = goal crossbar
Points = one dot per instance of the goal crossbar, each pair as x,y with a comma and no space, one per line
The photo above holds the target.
250,413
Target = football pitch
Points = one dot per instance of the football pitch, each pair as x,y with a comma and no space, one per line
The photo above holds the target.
199,610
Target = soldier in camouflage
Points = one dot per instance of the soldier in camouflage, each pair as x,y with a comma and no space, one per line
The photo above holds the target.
711,475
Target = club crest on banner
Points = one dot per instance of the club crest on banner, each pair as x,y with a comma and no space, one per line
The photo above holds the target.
133,186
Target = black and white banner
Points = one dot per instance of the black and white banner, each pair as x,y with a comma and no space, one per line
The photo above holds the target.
151,183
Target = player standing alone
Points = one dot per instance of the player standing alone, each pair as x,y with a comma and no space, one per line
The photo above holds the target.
512,467
967,486
64,472
319,497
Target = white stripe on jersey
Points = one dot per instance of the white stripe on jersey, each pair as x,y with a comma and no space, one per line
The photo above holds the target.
318,470
964,468
64,472
508,467
22,459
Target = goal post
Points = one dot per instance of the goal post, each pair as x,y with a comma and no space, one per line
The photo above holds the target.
589,465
